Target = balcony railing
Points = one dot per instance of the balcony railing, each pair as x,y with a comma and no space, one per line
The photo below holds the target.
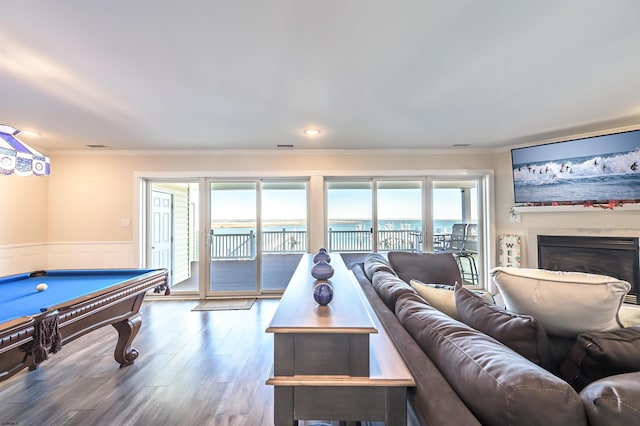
233,246
349,241
399,240
284,241
242,246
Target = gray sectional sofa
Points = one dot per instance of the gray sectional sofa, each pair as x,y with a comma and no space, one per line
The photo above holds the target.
464,376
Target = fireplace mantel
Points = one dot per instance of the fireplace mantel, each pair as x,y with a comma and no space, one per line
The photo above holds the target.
571,209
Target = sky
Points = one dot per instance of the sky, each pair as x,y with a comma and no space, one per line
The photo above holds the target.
399,204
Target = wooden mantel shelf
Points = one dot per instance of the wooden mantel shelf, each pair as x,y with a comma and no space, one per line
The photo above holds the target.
573,209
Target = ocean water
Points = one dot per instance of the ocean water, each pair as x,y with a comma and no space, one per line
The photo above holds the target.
614,176
439,226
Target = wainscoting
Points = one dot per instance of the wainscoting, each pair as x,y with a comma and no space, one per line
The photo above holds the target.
22,258
15,259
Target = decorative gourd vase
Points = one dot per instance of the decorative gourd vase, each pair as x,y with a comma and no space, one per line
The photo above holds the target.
322,293
322,255
322,270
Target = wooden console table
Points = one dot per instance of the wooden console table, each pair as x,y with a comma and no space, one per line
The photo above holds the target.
334,362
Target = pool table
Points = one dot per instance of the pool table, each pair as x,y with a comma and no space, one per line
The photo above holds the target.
34,324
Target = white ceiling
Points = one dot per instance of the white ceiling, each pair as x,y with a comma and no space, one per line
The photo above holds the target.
251,74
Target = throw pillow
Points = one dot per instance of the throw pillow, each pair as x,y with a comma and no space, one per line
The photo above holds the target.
522,333
566,303
598,355
441,296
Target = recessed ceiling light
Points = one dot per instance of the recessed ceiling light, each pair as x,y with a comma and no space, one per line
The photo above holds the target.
311,132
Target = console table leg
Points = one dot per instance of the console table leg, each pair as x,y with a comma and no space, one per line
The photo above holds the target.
283,406
396,414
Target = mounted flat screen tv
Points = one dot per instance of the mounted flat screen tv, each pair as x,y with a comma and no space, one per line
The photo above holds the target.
597,169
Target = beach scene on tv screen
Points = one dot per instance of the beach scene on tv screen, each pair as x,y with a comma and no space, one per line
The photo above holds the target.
596,169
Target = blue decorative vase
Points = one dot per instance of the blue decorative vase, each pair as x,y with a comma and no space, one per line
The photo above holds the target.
322,270
323,293
322,255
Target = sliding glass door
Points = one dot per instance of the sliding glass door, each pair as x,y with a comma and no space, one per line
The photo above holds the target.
233,265
350,216
283,231
399,215
385,214
258,234
409,214
457,227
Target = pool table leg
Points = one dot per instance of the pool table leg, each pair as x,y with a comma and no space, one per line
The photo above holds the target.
127,331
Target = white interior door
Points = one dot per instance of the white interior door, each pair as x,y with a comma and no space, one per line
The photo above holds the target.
161,230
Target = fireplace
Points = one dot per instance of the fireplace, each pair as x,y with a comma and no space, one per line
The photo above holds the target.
617,257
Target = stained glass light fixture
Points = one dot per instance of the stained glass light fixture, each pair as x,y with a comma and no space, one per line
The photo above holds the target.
18,157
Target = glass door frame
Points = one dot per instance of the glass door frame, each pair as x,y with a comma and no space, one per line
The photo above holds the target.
485,213
366,181
268,181
206,206
206,289
374,187
484,180
405,179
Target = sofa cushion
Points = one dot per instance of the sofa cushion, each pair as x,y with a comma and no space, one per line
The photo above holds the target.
500,386
376,262
613,401
389,287
566,303
432,400
432,268
598,355
441,296
522,333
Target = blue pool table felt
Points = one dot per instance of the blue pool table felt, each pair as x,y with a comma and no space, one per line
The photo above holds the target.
19,297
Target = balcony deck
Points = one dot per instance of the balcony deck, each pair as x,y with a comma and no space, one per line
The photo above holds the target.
231,275
234,265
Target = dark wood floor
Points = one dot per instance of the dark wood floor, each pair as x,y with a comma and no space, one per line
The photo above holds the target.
194,368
